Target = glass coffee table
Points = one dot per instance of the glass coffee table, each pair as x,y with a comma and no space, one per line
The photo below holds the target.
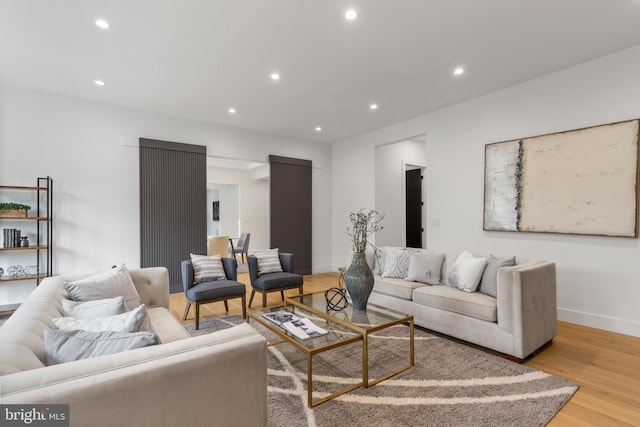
344,327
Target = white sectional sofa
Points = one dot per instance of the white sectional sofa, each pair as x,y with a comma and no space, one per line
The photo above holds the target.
218,379
517,321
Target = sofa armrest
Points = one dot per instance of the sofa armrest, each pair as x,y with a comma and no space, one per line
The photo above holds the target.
526,302
217,379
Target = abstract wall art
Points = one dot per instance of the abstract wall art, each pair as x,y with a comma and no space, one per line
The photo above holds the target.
582,181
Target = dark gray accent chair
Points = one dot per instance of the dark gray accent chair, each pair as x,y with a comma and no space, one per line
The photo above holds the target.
213,290
241,247
274,282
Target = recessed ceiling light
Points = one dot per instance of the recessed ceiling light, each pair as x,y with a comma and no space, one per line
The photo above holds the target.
373,106
318,129
232,110
99,83
351,14
275,76
458,71
103,24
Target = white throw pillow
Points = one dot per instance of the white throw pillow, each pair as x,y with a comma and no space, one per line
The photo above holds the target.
92,309
268,261
466,272
206,268
110,284
396,263
67,346
425,268
125,322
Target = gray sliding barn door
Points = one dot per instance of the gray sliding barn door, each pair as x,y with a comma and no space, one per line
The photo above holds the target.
173,197
291,209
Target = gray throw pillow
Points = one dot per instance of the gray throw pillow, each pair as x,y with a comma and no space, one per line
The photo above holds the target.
110,284
489,283
425,268
67,346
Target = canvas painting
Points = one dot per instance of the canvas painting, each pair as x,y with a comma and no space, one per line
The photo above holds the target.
576,182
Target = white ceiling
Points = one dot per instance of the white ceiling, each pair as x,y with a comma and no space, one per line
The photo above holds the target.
197,58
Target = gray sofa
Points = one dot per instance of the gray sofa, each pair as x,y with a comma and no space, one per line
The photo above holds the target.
217,379
519,320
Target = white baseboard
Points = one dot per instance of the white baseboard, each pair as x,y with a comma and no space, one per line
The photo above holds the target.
611,324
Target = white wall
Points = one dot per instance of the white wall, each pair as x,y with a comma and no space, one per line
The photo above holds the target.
390,187
598,277
90,150
254,203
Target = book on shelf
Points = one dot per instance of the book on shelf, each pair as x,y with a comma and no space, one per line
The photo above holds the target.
300,327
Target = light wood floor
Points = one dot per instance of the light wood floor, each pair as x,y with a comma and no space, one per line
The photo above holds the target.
606,365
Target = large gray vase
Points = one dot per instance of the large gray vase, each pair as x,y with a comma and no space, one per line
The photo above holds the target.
359,281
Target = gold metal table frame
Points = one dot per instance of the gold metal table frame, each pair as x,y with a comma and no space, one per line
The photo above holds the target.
341,332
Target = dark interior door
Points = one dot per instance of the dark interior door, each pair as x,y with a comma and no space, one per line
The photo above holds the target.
414,208
291,209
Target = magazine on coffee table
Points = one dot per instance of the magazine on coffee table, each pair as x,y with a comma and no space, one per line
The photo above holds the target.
279,317
300,327
304,329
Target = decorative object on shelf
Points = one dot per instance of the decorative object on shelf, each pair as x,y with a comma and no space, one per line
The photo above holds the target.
1,271
30,270
13,210
24,241
15,271
359,277
336,299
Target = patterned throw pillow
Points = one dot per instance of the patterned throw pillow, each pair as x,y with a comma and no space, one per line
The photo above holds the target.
396,263
268,261
207,268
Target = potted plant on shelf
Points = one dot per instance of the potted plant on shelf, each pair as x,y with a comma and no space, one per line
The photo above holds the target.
13,210
359,277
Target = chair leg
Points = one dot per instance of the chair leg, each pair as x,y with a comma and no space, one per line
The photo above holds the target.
197,316
282,295
300,291
186,310
264,299
244,306
253,292
226,305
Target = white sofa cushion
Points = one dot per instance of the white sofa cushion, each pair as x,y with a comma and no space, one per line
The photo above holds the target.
398,288
474,304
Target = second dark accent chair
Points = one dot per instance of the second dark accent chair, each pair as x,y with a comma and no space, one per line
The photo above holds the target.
274,282
214,290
